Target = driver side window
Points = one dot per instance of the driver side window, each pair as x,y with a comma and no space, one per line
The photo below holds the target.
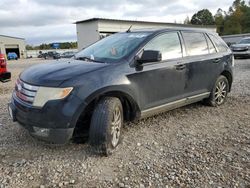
168,44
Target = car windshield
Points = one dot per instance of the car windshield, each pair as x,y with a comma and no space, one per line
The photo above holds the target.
112,48
245,41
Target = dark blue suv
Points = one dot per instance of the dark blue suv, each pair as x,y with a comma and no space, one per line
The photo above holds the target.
123,77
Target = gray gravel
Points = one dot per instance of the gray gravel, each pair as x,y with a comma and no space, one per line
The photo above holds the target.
193,146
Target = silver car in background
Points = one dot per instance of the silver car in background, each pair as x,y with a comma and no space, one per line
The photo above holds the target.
241,49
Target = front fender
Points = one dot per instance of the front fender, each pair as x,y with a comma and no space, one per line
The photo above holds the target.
112,89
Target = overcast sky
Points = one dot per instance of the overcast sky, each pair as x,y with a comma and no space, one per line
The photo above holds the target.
41,21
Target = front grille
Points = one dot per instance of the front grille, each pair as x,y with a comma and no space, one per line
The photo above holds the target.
25,92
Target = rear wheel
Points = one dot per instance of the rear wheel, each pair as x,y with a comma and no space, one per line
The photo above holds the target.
106,125
219,93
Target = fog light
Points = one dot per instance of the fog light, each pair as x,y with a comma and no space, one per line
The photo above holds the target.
43,132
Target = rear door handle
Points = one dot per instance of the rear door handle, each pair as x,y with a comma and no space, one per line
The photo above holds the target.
180,67
217,60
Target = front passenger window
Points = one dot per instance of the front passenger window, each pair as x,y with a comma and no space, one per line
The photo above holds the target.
168,44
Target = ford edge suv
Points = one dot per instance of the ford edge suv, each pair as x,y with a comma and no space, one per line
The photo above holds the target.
123,77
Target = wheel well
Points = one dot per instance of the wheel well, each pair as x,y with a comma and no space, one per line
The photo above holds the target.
229,77
130,110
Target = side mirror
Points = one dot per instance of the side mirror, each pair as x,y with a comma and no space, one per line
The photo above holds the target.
150,56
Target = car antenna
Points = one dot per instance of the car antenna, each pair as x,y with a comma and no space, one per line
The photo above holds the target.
128,31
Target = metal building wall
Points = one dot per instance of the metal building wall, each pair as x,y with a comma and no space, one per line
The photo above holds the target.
11,43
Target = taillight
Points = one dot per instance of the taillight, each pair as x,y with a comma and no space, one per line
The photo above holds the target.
2,63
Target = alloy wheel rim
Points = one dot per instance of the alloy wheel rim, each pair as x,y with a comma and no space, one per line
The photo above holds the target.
220,92
116,126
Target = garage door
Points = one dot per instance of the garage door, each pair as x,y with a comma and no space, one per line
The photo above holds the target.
12,48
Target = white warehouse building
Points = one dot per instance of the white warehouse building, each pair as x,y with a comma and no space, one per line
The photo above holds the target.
92,30
12,44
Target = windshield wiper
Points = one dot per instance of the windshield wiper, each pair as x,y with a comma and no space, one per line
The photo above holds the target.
88,59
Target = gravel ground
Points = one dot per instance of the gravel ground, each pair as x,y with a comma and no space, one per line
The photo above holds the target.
193,146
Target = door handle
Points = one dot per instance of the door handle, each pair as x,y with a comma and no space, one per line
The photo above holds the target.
180,67
217,60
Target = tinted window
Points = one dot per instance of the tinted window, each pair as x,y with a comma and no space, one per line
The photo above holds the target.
196,43
210,46
219,43
168,44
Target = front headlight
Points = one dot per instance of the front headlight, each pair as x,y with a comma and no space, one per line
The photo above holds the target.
45,94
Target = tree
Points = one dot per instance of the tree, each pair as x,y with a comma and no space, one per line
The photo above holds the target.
187,20
219,20
235,21
203,17
29,47
63,45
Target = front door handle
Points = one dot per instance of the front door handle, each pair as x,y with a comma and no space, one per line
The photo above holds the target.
217,60
180,67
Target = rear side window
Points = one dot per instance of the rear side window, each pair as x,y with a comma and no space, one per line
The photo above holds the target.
195,43
210,46
219,43
168,44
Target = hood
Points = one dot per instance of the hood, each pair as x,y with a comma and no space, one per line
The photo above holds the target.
54,73
240,45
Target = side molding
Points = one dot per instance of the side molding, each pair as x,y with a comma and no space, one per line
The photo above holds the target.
173,105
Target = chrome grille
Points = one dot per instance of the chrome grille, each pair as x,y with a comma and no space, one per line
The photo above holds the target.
25,92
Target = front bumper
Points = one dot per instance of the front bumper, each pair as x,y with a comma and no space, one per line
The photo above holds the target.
54,123
5,76
242,54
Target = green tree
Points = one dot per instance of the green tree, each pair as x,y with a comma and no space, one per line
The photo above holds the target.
231,26
219,21
203,17
45,46
29,47
235,21
63,45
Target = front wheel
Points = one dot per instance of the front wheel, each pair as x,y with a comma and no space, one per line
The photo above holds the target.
106,125
219,93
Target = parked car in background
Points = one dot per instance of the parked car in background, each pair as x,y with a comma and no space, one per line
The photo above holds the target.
4,74
40,55
67,54
120,78
50,55
12,56
241,49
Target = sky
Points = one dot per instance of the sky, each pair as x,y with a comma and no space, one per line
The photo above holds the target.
44,21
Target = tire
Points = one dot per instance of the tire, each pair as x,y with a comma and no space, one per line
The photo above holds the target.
106,126
219,93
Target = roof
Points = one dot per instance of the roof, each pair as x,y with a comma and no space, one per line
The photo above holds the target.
136,21
169,29
11,37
